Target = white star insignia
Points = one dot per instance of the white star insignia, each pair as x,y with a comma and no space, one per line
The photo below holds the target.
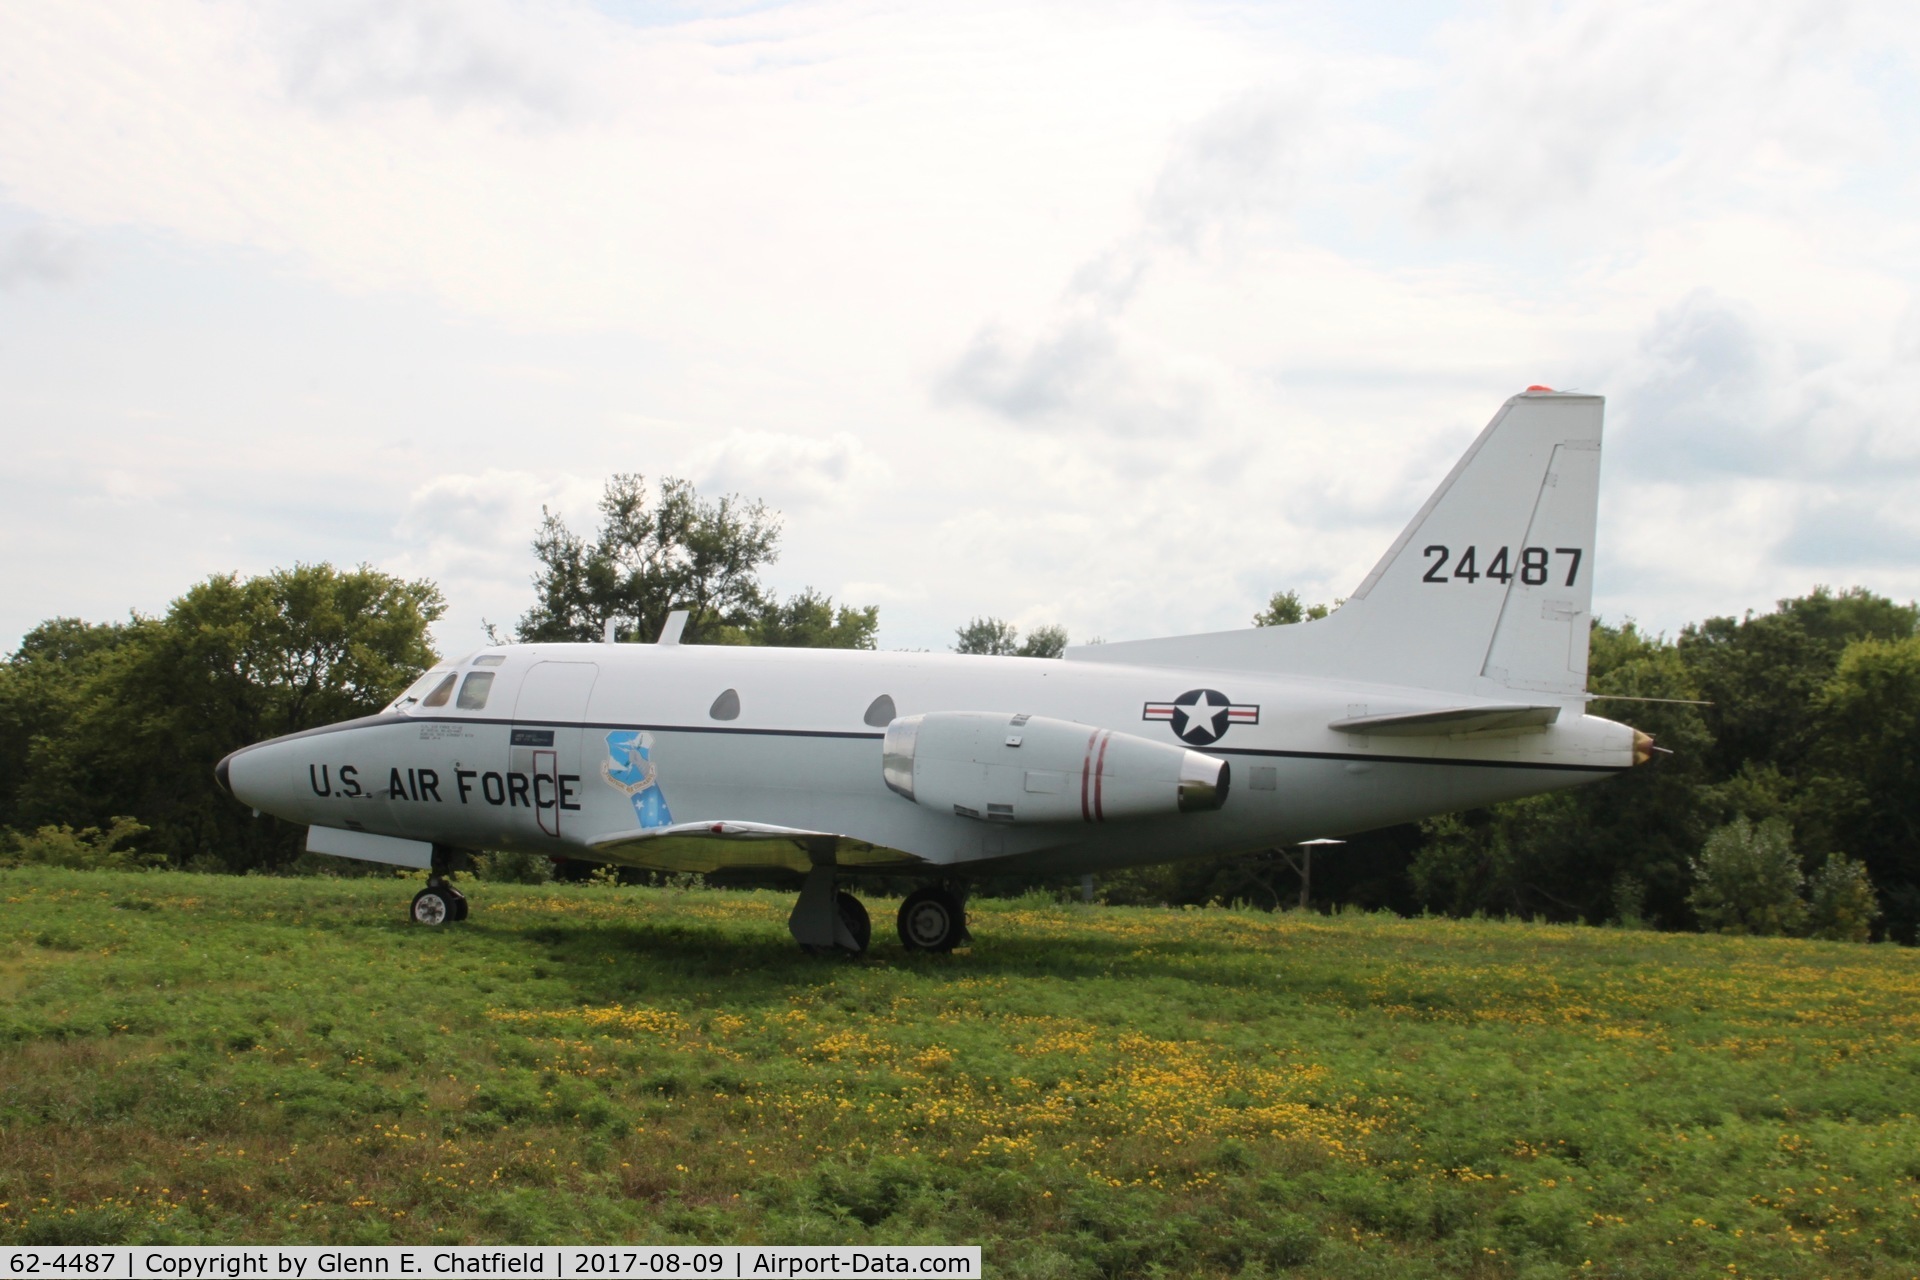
1202,714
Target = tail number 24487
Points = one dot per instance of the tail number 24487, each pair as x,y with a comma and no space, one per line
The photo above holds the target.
1531,569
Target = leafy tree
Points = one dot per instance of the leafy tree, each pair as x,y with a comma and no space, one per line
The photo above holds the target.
1563,855
146,713
1466,863
1867,791
807,620
42,685
1764,675
1841,902
1044,642
1747,880
994,637
1285,608
682,551
997,637
648,559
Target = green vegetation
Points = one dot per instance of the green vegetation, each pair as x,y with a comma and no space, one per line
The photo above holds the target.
1800,727
677,550
1090,1092
1284,608
1747,880
1811,717
110,732
996,637
123,722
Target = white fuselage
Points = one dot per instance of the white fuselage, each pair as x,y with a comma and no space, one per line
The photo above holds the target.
789,739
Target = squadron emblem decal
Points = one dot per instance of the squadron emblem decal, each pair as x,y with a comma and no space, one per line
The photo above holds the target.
629,769
1202,716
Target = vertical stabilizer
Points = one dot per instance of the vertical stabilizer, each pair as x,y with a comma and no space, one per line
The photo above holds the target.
1487,590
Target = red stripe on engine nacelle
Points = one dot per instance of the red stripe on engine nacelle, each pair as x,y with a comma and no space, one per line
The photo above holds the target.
1099,774
1086,769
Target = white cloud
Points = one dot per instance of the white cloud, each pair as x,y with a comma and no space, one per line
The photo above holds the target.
1588,113
473,533
36,255
1116,316
1079,374
799,474
470,55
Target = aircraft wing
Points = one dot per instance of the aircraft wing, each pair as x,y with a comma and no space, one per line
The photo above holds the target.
1448,721
727,843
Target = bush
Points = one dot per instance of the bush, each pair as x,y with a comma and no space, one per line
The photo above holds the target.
1747,880
88,849
507,867
1629,901
1842,905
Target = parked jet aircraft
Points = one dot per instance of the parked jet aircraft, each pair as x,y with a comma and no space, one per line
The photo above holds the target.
1454,676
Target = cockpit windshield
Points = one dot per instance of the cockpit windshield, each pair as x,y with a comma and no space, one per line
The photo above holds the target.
429,685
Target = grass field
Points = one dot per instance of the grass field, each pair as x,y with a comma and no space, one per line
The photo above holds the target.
1089,1091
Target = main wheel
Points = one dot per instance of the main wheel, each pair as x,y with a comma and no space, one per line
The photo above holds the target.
459,904
433,905
931,919
853,914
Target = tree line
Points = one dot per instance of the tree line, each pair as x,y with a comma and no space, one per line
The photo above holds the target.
1790,801
109,732
1787,799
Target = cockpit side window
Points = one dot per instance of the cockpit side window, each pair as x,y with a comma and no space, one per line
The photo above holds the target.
473,692
441,692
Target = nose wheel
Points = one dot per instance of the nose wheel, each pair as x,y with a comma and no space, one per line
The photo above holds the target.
439,903
932,919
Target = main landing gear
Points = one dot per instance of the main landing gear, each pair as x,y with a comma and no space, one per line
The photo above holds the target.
933,919
827,919
439,903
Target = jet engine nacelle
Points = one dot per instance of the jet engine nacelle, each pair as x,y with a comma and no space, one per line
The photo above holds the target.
998,767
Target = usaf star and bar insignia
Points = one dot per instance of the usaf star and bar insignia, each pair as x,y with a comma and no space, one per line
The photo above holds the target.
1202,716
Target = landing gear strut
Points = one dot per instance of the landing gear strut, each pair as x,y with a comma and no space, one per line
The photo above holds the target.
827,918
933,919
439,903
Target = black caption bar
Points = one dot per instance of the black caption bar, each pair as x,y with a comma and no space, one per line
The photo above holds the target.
505,1262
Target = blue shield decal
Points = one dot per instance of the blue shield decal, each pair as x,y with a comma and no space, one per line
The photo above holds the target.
629,768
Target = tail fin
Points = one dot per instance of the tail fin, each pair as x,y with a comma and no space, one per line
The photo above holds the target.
1488,590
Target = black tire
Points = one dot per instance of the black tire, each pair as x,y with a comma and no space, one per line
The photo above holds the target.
853,914
459,904
931,919
433,907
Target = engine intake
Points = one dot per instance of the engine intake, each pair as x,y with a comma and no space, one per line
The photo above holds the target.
997,767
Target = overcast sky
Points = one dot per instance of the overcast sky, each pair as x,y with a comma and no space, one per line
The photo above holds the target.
1121,316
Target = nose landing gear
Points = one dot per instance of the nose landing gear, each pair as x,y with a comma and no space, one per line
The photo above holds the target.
439,903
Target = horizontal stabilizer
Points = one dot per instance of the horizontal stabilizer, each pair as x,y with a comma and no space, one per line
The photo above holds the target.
1448,721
